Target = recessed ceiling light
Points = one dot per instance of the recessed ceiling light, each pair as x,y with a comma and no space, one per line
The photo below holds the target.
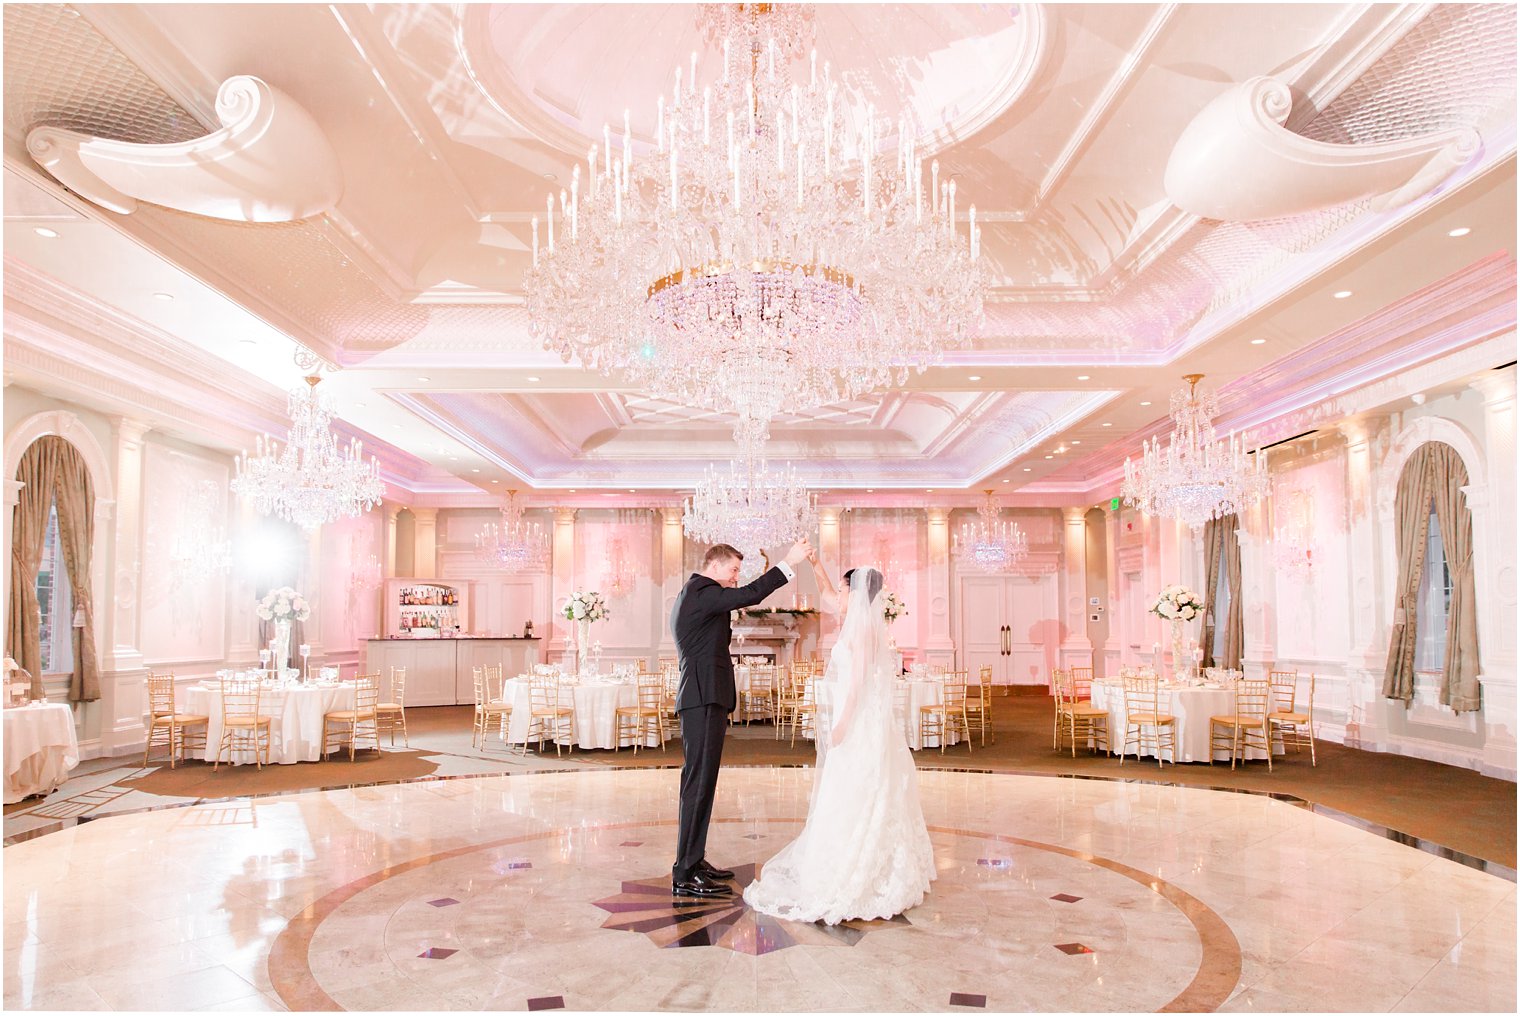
1258,342
1007,481
1460,231
870,490
550,176
928,490
632,491
359,405
396,425
453,458
51,234
1076,442
474,470
1342,294
495,481
163,296
1050,456
1108,425
1145,403
248,342
424,378
1028,470
1084,377
974,377
572,492
534,379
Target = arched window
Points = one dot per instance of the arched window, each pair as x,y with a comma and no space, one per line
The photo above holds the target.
1435,603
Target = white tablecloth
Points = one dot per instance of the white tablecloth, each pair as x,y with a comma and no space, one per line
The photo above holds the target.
1191,706
596,704
40,749
907,697
295,730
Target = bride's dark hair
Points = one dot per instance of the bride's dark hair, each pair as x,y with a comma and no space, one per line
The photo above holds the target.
873,585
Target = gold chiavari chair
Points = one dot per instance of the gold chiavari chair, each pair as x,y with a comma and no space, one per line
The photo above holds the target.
1246,727
551,713
800,707
646,718
391,715
168,726
979,704
488,706
361,721
1142,712
241,723
759,698
1081,682
1075,718
670,682
1293,726
948,715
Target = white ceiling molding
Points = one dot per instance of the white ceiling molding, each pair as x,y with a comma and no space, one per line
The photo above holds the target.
1237,162
269,162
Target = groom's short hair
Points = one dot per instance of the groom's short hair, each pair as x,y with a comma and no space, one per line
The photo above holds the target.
721,552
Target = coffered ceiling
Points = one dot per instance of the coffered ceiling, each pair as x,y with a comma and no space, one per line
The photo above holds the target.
451,123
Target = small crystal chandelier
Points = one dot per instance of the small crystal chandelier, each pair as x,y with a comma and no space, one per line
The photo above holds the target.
512,544
1195,478
1293,540
990,543
200,547
622,571
776,249
311,481
751,507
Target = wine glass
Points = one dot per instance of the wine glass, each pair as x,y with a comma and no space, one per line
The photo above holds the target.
305,662
265,655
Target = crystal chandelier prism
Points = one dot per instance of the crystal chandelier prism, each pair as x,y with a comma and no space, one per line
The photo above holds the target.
781,245
751,506
513,543
992,543
1195,478
311,480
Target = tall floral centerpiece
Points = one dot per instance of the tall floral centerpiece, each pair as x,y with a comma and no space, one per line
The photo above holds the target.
1177,604
892,607
583,608
282,606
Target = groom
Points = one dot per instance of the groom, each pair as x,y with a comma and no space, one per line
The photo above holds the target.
700,622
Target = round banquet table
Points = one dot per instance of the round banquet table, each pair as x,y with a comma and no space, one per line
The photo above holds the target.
596,704
1191,705
295,713
40,749
907,697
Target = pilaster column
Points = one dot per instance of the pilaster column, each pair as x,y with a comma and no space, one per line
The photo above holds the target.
1493,512
1365,588
12,499
672,559
1258,577
426,560
1076,647
940,647
562,583
391,511
829,544
124,620
1112,647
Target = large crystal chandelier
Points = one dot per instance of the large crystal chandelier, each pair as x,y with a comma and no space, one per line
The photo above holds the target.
780,246
751,506
1293,542
992,543
513,544
1196,477
310,481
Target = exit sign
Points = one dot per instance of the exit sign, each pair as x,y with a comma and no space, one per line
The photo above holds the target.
1113,504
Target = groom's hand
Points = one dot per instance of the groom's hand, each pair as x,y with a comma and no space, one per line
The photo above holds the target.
799,552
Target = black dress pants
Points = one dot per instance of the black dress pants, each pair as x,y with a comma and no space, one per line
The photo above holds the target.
702,730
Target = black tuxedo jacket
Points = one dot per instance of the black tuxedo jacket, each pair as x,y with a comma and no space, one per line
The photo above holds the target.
700,623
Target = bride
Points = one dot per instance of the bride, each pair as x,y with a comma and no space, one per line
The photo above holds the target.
864,851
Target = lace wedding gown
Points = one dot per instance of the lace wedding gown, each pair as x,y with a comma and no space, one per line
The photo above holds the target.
864,851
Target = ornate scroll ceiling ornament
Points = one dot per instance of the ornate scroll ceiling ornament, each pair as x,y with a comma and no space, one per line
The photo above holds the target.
1195,478
1238,162
270,162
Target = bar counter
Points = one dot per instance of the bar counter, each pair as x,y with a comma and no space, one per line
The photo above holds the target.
439,670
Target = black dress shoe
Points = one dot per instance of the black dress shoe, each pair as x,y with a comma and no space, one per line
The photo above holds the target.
718,873
700,884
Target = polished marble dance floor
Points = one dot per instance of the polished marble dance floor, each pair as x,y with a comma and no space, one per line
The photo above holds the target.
552,891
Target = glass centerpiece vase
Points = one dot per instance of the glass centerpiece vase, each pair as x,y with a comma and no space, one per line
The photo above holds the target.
280,647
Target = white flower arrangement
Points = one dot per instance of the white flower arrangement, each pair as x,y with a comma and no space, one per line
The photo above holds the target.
1177,603
283,604
587,606
892,607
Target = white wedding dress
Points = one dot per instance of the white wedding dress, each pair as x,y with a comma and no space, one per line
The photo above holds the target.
864,851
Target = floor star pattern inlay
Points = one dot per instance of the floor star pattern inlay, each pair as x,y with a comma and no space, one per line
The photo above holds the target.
1187,900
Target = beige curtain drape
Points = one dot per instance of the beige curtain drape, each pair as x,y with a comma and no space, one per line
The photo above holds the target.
1435,474
53,469
1221,539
